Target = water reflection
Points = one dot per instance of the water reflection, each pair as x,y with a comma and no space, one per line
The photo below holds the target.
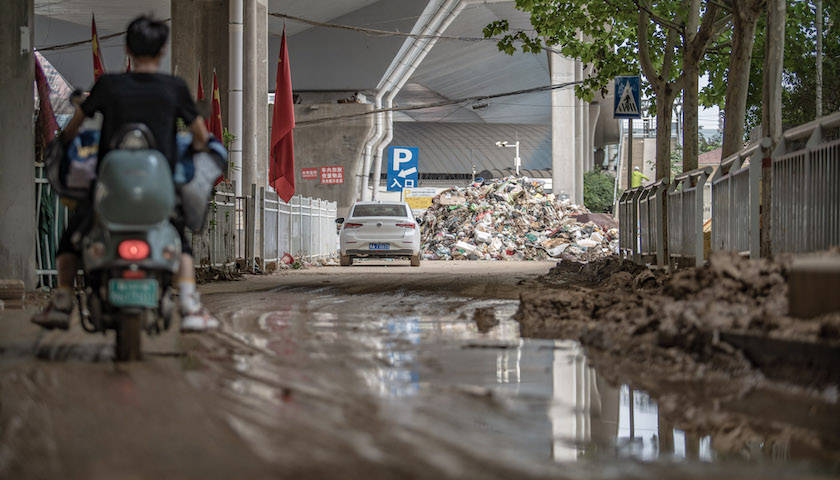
538,398
397,351
587,414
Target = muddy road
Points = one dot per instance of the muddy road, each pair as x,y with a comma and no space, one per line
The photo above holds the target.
379,371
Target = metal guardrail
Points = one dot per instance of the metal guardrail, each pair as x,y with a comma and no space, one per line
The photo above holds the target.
216,245
735,201
685,216
804,207
628,206
805,201
651,215
52,217
303,228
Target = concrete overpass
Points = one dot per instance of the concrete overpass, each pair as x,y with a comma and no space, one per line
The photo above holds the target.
334,72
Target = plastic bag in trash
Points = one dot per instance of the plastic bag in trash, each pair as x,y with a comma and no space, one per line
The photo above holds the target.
196,189
511,219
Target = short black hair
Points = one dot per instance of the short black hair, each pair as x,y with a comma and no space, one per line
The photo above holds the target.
146,36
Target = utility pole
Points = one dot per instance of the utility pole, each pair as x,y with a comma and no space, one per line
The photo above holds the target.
819,57
629,153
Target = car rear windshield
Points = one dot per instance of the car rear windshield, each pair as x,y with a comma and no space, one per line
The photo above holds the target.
381,210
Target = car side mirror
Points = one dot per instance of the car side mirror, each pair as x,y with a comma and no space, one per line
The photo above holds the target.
418,220
339,220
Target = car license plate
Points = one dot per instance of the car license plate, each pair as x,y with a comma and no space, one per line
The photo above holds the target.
380,246
133,293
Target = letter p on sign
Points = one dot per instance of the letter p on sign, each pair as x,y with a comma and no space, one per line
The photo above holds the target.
401,155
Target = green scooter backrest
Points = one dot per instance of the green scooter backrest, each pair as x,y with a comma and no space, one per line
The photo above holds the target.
134,189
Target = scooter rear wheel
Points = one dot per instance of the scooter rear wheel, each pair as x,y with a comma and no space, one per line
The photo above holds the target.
129,334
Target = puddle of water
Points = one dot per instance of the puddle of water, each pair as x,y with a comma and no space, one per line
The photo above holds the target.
536,401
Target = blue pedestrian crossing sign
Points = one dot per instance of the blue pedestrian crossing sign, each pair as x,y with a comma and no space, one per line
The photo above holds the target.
402,168
628,99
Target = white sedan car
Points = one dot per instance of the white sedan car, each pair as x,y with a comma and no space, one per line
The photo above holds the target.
379,230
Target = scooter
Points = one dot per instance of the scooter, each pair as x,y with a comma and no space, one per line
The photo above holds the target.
132,251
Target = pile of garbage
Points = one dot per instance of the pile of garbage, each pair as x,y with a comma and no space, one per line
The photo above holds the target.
512,219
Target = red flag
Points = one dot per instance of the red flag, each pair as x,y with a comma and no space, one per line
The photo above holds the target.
215,125
98,66
199,96
47,125
281,173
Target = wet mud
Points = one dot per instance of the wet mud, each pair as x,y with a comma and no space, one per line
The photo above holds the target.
314,379
722,330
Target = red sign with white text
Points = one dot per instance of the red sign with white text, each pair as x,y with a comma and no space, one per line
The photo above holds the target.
309,173
332,175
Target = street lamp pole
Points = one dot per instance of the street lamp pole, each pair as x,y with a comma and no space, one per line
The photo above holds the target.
517,162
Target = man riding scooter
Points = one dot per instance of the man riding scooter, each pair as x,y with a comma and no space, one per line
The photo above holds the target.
155,100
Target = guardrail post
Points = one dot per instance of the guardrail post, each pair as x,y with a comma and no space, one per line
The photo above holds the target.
760,166
661,240
251,229
636,238
699,190
262,228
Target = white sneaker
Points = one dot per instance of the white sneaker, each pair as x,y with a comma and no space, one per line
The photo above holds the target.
198,321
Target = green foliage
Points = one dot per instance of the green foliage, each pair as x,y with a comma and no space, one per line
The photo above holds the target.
598,188
799,77
610,45
227,138
707,145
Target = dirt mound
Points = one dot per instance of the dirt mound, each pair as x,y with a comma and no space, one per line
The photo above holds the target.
671,321
590,273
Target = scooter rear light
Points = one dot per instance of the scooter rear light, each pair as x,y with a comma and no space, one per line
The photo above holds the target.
133,274
133,249
352,225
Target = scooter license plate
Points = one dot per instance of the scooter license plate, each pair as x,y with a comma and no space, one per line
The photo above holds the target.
133,293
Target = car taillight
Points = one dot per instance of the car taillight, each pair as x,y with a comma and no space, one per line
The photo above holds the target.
352,225
133,249
406,225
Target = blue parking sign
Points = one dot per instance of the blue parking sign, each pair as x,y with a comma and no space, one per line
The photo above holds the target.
402,168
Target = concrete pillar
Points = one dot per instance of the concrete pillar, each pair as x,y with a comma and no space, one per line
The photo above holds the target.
563,105
262,87
196,44
600,158
255,94
235,57
594,114
335,143
579,138
17,143
249,93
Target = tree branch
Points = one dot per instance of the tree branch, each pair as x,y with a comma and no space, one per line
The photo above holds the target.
699,42
680,29
644,52
668,58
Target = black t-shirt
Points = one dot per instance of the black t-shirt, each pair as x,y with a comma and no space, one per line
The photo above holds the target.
153,99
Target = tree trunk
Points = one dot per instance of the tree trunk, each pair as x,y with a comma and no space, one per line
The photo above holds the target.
664,111
690,120
691,86
771,107
738,79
